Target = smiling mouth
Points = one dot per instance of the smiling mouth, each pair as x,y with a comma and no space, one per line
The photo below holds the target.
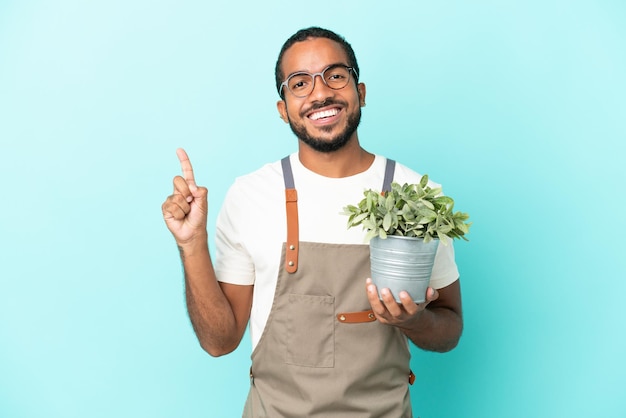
324,114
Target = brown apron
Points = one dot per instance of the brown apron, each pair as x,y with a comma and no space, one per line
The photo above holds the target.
322,352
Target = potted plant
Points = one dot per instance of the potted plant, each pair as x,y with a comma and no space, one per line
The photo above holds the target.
404,228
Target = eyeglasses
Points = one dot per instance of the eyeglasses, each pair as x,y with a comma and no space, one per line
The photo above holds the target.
302,84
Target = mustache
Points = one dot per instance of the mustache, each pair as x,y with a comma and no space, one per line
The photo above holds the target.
319,105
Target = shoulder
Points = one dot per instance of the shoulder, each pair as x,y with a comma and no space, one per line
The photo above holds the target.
268,172
265,182
253,195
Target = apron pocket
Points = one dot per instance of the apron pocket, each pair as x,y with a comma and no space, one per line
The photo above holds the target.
311,331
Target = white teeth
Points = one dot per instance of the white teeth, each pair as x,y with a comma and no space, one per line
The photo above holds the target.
324,114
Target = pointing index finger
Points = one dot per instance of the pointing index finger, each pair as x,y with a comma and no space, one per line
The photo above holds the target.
185,164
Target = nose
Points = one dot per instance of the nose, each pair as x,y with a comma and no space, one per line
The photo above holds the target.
320,89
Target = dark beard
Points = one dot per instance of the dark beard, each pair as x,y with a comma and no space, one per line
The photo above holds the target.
324,145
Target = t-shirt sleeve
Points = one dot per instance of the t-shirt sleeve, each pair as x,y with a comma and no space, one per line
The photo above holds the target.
233,263
445,271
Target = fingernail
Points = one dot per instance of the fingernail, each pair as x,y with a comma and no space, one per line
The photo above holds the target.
189,199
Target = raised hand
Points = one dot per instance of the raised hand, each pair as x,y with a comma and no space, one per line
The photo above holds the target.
185,211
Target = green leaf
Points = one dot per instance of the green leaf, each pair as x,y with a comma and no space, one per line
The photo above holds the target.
369,224
389,202
370,235
443,200
462,227
359,218
410,210
387,221
428,204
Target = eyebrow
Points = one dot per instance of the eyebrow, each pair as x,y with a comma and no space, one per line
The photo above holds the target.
308,72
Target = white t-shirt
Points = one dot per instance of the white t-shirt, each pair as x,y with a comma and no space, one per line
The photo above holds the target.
251,226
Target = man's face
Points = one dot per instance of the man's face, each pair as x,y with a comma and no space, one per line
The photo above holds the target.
326,119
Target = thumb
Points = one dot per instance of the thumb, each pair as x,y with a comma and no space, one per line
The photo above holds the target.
431,294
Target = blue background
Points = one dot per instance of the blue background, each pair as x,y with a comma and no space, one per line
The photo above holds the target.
517,107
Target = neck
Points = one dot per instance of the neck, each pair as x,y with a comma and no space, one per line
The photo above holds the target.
347,161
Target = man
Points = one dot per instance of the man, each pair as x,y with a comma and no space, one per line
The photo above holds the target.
324,344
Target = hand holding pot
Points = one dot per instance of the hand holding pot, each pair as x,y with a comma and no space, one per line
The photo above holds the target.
390,312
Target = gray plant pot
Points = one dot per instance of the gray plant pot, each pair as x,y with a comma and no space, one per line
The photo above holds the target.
402,263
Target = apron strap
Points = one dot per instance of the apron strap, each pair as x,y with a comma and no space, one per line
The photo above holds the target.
390,168
291,203
287,173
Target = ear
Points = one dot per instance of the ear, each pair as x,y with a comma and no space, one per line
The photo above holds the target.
282,110
361,91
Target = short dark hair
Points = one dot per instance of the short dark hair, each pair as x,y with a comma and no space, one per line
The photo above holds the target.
314,32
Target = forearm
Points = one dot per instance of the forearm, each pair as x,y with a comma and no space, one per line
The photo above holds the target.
209,310
436,329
